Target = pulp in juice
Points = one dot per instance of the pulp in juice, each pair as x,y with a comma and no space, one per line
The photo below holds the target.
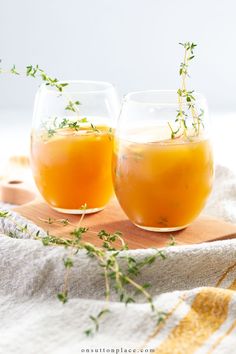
73,168
163,184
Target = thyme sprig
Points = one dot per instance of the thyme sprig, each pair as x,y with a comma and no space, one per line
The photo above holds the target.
68,261
172,241
12,70
73,106
53,125
108,257
120,270
36,71
186,98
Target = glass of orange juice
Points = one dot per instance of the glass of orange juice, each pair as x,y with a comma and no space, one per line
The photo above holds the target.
71,145
162,173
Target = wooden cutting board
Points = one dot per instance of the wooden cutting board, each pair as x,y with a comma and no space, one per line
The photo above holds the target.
113,219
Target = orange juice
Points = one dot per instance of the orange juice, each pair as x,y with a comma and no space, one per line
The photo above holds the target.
73,168
164,184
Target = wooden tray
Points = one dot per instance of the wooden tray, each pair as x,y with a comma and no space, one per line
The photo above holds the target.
112,219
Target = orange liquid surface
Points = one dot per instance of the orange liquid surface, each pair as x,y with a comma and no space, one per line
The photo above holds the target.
74,168
163,184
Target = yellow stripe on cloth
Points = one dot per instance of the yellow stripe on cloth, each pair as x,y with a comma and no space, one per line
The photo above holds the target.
219,340
230,329
233,285
228,270
207,313
162,324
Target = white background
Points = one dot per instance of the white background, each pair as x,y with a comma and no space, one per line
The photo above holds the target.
131,43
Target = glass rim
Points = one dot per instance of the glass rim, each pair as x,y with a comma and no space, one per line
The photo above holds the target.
104,86
128,98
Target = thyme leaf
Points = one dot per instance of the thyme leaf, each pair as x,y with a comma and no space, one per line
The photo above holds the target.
121,279
186,98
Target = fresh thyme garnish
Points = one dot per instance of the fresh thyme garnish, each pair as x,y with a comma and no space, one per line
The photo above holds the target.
36,71
96,322
52,126
72,106
3,213
33,71
186,99
72,124
95,129
172,241
11,71
14,71
109,256
51,132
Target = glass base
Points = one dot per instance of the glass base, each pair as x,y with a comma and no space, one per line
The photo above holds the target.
162,229
77,211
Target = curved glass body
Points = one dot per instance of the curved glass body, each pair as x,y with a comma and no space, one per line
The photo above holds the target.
162,183
71,148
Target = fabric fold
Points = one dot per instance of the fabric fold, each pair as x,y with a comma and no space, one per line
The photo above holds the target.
194,286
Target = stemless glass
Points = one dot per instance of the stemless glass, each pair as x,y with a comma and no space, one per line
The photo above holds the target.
161,180
71,147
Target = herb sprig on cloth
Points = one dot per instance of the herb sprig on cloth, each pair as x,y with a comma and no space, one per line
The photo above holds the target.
120,270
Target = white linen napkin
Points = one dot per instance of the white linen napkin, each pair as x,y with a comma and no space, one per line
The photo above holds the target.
194,285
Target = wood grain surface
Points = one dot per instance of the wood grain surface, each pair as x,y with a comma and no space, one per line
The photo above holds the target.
112,219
